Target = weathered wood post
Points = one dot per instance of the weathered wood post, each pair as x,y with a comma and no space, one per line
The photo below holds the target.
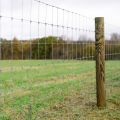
100,61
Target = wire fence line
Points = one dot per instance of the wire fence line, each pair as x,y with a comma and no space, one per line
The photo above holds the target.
47,56
69,30
112,53
66,29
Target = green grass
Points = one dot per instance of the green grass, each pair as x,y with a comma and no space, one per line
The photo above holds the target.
53,87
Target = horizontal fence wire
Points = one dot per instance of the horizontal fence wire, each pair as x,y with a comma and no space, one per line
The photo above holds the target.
41,49
47,57
112,55
112,42
59,33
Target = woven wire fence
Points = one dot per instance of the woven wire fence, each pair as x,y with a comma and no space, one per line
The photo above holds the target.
112,55
47,66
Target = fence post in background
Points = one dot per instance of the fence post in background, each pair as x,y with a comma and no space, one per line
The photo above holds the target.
100,61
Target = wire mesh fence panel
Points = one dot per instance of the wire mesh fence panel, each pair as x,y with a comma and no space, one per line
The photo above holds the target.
112,68
47,62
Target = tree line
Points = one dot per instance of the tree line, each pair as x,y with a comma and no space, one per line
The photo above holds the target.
52,47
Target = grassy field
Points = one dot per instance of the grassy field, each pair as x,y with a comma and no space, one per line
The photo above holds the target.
56,90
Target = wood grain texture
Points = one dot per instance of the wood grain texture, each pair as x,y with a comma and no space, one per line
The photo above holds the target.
100,61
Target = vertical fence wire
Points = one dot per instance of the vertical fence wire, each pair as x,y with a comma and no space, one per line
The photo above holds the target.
65,38
52,61
112,55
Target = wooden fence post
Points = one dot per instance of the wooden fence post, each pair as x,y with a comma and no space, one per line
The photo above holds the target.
100,61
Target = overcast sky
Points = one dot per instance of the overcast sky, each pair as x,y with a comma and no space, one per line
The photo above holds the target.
106,8
29,10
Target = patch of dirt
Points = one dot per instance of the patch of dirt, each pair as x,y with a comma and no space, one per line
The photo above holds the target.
79,107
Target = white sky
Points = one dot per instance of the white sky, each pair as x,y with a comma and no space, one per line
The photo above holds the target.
107,8
91,8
